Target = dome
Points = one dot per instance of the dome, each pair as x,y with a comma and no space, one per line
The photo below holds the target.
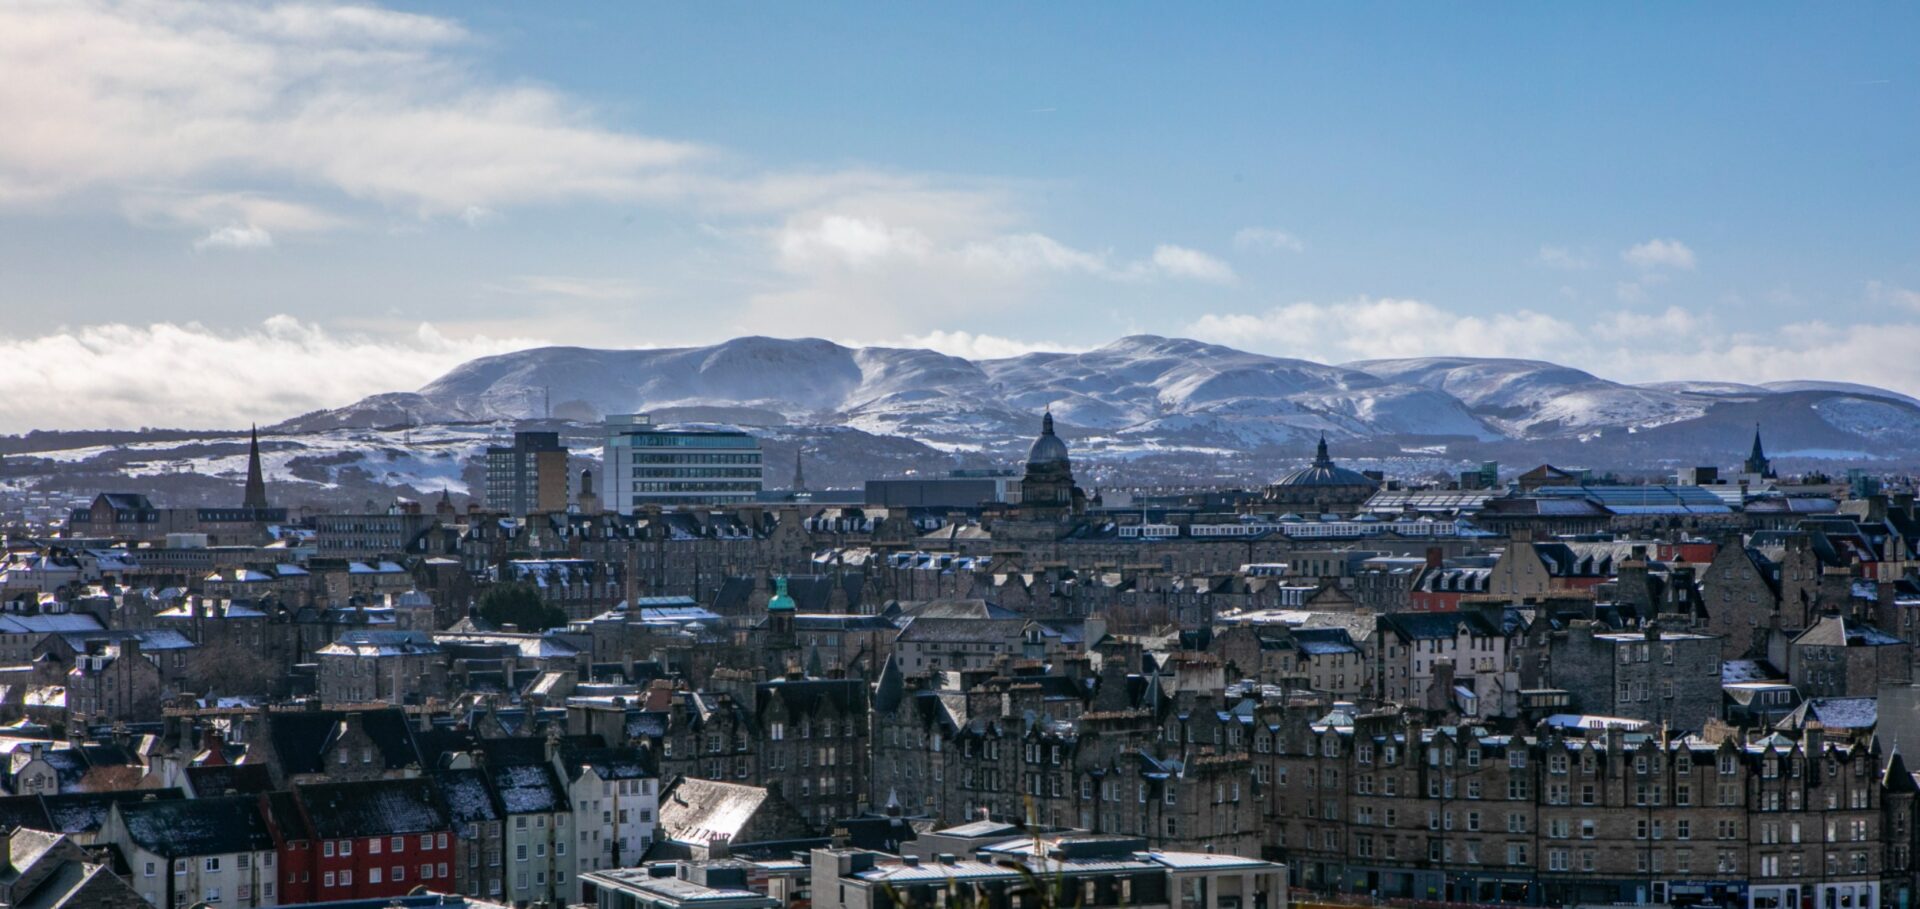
1324,472
1047,450
780,602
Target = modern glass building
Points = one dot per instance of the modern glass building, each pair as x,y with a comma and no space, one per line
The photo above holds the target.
651,465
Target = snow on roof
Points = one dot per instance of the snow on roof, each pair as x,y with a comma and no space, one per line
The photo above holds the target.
48,623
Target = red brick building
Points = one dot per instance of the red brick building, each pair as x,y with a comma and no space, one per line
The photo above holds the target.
376,838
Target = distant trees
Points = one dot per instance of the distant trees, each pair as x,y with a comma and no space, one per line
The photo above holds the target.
519,605
225,666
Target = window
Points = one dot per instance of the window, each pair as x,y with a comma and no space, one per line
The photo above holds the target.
346,847
212,864
399,844
326,849
373,875
327,879
426,871
149,869
426,839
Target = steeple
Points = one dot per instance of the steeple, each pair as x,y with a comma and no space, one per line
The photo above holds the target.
1320,456
799,472
1757,462
256,494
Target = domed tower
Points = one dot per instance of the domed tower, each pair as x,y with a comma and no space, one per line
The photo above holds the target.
780,608
1047,489
1324,486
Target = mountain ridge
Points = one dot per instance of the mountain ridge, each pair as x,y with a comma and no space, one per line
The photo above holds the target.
1137,393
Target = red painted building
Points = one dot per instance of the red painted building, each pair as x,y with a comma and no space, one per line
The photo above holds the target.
377,838
293,841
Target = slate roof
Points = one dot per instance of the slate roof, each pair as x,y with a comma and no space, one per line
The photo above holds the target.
1834,631
1324,641
807,695
962,631
580,752
373,808
241,779
697,811
1419,626
188,827
301,738
468,799
86,812
1834,713
528,788
23,811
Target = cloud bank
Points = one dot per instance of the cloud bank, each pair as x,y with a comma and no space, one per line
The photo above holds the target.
191,376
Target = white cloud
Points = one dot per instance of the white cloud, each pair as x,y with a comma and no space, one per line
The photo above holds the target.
1181,262
973,346
1376,328
1880,292
1561,257
136,98
190,376
235,236
567,287
1658,253
1267,238
848,241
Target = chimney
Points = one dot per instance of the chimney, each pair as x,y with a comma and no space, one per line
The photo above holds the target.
1435,556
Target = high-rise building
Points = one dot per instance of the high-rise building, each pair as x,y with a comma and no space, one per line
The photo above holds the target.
650,465
529,476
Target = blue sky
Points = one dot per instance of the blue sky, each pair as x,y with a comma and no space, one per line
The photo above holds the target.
351,199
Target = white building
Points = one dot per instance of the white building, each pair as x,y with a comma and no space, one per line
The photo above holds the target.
649,465
184,851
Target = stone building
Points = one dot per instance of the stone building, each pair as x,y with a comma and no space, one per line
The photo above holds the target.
1651,674
1321,488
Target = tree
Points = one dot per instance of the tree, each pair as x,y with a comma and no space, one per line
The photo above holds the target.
228,667
519,605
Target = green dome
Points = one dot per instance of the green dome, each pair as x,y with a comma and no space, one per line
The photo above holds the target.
780,602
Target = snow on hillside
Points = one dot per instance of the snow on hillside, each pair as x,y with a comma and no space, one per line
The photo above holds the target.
1180,394
428,458
1532,398
1849,387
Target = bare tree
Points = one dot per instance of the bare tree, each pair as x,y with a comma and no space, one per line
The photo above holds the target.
229,667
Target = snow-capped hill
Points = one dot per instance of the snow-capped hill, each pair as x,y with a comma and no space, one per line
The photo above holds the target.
1848,387
1144,377
1534,398
1139,393
1716,389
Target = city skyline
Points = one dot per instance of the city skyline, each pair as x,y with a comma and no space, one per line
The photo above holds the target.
289,207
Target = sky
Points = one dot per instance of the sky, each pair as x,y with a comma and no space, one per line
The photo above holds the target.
215,214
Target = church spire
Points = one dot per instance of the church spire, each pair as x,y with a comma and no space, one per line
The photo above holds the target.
256,492
799,472
1757,462
1320,456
